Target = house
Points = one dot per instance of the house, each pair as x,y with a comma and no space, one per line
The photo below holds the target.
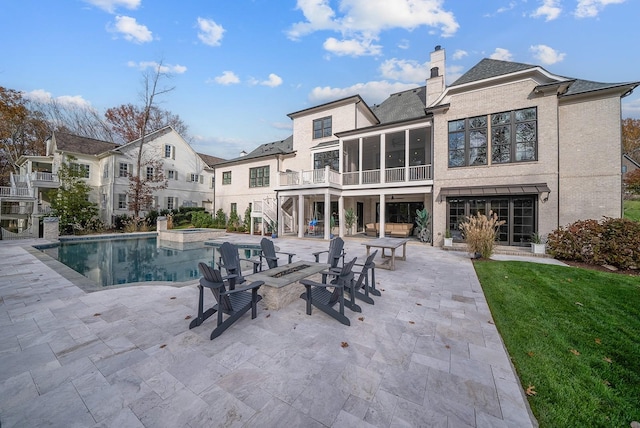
106,167
506,137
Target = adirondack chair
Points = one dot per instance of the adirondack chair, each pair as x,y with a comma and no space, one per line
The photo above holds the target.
318,294
230,261
233,303
269,253
362,283
334,254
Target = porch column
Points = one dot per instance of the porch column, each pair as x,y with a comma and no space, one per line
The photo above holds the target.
382,219
360,160
301,219
279,216
383,159
327,215
341,215
407,169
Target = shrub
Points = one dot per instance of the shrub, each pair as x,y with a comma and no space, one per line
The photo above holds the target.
201,219
613,241
247,219
480,233
234,221
220,221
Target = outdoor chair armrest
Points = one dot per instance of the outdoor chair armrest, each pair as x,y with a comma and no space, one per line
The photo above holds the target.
319,284
256,264
209,284
254,284
290,255
317,254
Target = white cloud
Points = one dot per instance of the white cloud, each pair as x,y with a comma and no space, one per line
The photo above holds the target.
164,68
546,54
351,47
42,96
111,5
210,33
502,9
549,9
631,108
372,92
459,54
591,8
282,125
226,78
273,81
404,44
501,54
131,30
404,70
363,20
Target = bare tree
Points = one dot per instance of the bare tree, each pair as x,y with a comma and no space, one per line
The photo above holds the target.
75,119
126,121
142,183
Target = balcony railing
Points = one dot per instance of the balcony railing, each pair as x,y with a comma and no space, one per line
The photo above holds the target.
16,191
373,176
44,176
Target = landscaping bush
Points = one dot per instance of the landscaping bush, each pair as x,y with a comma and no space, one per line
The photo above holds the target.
480,233
201,219
613,241
220,220
234,222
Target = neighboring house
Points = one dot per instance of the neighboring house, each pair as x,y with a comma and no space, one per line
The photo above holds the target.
629,165
107,167
538,149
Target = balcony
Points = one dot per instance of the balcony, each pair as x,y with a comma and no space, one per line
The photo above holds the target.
15,192
44,179
369,178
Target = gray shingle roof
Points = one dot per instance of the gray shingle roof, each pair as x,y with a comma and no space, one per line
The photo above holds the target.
488,68
405,105
82,145
210,160
582,86
268,149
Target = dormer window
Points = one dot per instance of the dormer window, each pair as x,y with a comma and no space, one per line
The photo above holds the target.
322,127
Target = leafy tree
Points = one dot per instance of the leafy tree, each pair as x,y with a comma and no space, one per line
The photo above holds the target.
70,201
632,182
22,131
631,138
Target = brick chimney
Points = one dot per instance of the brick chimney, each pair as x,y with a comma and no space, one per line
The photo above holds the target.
435,82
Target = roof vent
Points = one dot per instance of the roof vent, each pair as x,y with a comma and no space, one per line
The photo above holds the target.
437,48
243,153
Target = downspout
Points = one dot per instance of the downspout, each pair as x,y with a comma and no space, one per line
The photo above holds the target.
558,166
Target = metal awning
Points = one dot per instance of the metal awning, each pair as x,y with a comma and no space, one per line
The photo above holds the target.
500,190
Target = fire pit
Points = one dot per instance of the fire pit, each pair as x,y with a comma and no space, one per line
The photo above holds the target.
281,284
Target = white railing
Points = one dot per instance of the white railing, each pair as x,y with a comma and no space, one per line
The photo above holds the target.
256,207
374,176
16,191
17,209
394,175
371,177
350,178
420,172
44,176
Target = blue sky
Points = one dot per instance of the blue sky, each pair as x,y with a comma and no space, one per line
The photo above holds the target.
240,66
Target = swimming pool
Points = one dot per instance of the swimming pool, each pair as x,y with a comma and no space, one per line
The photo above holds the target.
121,261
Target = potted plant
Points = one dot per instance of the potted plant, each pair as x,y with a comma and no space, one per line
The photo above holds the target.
332,224
538,243
350,219
448,240
422,224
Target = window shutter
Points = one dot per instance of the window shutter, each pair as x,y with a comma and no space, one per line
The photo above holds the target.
175,203
176,175
201,179
173,152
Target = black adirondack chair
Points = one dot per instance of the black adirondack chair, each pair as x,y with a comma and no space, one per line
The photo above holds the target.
233,303
361,287
269,253
318,294
230,261
334,254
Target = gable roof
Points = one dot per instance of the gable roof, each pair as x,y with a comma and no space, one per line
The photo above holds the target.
82,145
488,68
280,147
405,105
210,160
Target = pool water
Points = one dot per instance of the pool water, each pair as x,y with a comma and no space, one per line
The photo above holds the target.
122,261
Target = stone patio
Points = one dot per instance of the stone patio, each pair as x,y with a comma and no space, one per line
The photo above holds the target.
427,354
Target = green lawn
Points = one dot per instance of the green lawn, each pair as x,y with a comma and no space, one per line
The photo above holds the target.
573,336
632,210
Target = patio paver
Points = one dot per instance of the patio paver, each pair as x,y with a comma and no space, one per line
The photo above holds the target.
426,354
